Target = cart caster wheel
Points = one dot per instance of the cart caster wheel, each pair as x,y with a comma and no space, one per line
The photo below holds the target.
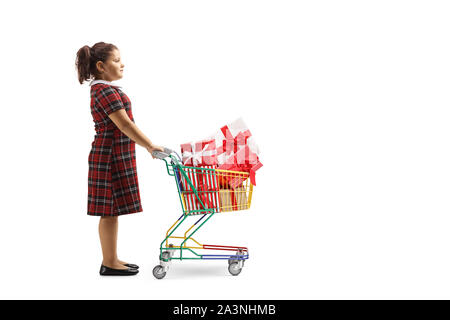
239,253
236,261
234,269
158,272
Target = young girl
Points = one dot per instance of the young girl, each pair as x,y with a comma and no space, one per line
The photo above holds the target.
113,188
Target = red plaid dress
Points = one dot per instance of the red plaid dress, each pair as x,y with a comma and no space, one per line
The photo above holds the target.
113,187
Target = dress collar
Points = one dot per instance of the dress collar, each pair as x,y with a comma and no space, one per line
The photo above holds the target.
104,82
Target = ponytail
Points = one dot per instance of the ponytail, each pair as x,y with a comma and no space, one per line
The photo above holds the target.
82,63
87,59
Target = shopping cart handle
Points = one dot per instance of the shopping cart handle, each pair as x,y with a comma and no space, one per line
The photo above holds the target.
161,155
168,151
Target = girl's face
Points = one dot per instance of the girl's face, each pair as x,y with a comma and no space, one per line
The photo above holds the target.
112,69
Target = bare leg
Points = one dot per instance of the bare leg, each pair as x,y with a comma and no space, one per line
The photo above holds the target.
117,234
108,229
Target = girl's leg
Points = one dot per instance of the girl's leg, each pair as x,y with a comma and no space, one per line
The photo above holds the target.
108,229
117,234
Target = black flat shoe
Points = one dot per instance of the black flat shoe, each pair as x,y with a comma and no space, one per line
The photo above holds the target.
130,265
106,271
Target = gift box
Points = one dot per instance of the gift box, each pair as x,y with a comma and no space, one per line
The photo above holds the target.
202,153
206,185
240,193
244,160
237,134
231,148
225,200
209,199
238,152
232,143
233,199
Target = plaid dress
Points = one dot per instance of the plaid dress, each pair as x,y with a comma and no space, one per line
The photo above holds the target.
113,187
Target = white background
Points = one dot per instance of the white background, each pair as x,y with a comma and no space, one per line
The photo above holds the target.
348,101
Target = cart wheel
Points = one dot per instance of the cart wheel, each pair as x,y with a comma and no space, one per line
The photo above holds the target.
238,253
234,269
158,272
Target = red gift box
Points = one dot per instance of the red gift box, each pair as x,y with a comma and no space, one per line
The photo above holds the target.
187,155
206,185
231,143
235,150
244,160
201,153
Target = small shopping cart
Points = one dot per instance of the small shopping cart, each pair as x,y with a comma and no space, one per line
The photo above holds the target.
203,191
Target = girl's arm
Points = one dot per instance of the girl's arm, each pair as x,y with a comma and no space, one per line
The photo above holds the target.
124,123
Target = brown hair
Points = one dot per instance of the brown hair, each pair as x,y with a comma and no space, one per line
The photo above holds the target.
88,57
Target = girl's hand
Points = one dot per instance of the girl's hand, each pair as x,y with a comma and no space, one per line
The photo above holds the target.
152,148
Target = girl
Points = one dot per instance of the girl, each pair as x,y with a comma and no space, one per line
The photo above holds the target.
113,188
